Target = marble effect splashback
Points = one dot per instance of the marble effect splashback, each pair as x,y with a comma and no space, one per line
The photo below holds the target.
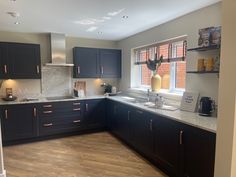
56,81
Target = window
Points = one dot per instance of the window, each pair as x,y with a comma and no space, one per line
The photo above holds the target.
172,69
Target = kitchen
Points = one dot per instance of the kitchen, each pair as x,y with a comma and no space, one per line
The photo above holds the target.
58,81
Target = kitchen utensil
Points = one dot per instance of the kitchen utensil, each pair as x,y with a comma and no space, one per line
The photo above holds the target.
205,106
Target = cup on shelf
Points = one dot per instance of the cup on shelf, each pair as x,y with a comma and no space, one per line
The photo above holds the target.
209,64
200,64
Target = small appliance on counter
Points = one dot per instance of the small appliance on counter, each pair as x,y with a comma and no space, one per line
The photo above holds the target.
80,89
206,106
9,95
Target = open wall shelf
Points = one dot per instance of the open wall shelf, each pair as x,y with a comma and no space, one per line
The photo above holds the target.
201,49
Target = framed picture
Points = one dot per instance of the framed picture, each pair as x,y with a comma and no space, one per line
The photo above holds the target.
189,101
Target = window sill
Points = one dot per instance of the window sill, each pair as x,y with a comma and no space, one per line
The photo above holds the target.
165,93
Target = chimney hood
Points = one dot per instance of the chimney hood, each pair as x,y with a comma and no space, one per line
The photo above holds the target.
58,50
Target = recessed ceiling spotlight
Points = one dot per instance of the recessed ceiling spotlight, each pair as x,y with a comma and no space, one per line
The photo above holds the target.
17,23
99,32
13,0
13,14
125,16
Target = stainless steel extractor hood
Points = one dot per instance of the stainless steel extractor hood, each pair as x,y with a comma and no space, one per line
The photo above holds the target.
58,50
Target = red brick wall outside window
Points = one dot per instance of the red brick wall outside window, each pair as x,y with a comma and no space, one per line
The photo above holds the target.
164,69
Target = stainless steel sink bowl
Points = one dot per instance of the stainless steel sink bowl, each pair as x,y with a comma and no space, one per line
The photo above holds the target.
59,98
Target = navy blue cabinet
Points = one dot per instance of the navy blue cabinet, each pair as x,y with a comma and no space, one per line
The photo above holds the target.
20,61
61,117
110,61
94,63
19,122
86,63
95,113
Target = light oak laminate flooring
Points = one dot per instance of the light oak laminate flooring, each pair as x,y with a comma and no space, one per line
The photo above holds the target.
91,155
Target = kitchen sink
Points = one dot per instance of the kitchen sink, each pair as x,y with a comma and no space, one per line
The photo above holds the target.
59,98
163,107
134,100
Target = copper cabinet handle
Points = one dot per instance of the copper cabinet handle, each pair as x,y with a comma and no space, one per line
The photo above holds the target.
6,114
76,121
140,112
35,112
181,137
48,125
47,106
76,104
87,107
47,112
5,69
151,125
76,109
37,69
78,70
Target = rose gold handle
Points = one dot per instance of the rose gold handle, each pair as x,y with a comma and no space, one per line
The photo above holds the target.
181,137
76,109
48,125
78,70
47,112
87,107
35,112
6,114
47,106
38,69
5,69
76,121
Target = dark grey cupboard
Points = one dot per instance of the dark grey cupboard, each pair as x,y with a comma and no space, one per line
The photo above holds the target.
96,63
20,61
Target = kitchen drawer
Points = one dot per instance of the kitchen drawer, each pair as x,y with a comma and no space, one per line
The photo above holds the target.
60,125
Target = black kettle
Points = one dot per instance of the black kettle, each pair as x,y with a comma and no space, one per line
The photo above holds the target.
205,106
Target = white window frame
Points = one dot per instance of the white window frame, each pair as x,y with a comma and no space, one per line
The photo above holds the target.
172,89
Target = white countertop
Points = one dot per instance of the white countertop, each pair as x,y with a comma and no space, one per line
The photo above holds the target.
44,100
189,118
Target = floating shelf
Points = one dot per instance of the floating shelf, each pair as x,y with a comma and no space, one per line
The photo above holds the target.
203,72
201,49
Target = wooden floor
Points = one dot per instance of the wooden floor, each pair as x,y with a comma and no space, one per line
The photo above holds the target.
92,155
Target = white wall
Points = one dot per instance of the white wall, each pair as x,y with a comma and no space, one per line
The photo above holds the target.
185,25
21,87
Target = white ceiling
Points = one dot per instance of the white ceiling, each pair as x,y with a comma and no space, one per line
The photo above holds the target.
104,16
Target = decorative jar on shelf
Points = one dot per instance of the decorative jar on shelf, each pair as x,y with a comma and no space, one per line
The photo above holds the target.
156,82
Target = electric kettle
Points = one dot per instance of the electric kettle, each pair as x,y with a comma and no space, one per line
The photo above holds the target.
206,106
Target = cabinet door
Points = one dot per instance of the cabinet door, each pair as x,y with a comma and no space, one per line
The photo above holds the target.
86,63
19,122
141,131
198,152
24,61
110,61
95,113
4,71
167,144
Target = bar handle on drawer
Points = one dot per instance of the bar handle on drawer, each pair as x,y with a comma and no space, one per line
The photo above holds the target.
76,109
35,112
6,114
48,125
47,112
140,112
75,104
181,137
47,106
5,69
76,121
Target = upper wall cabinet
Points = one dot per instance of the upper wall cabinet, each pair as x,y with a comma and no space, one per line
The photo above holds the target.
20,61
94,63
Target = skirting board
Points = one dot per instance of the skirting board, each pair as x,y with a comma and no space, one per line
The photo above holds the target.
3,174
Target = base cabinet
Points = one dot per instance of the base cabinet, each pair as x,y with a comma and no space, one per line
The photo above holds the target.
19,122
